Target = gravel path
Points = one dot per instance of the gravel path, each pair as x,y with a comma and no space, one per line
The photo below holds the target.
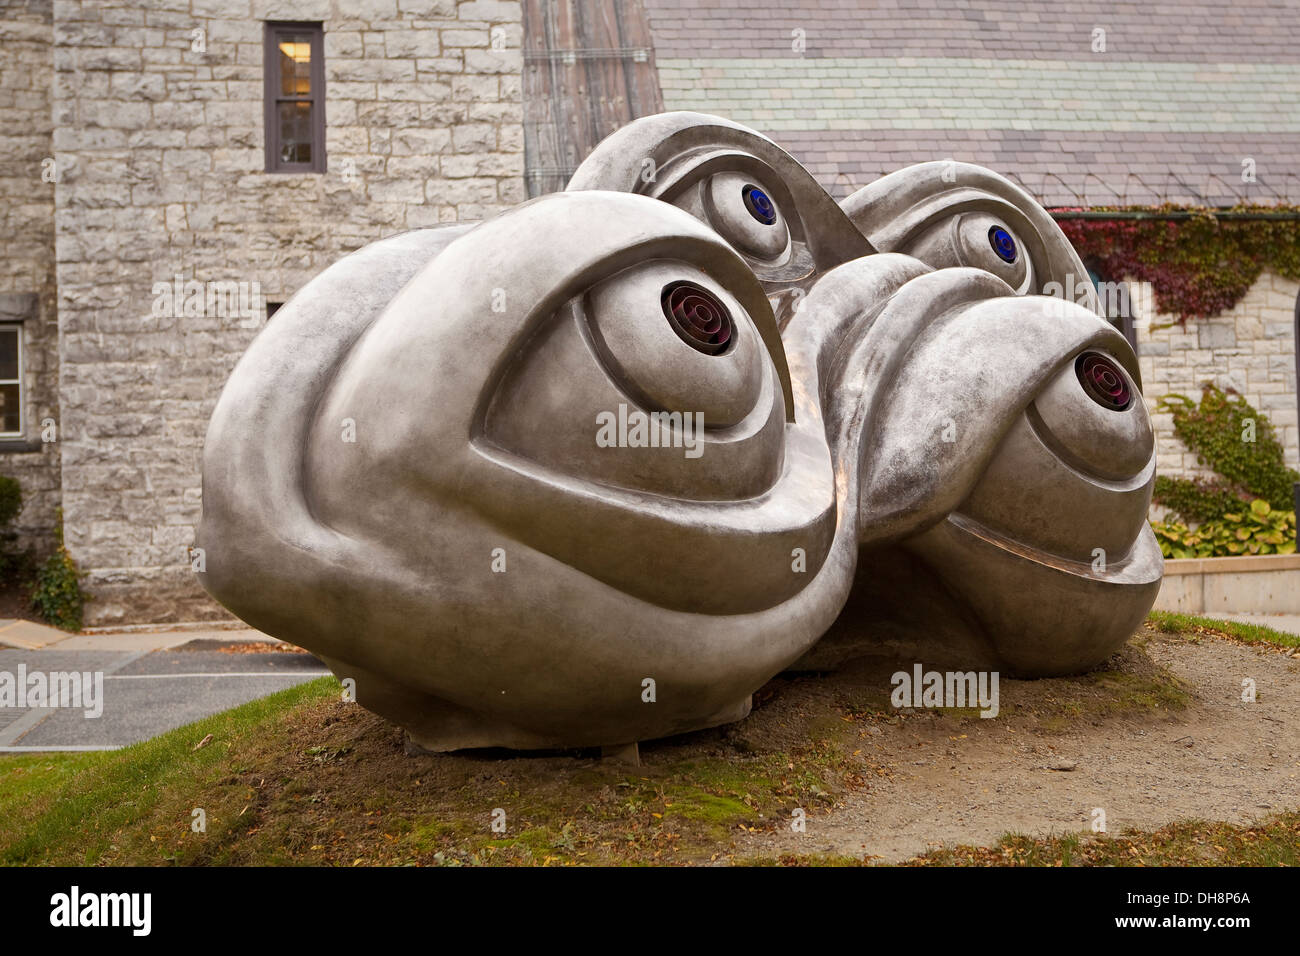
953,781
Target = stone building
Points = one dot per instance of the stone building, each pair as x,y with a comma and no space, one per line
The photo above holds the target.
171,170
137,183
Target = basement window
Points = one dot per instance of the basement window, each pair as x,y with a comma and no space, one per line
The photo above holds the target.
11,381
295,97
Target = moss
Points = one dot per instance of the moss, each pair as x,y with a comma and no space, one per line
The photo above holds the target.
1132,692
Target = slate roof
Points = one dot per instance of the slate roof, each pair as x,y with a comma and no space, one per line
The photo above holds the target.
1183,94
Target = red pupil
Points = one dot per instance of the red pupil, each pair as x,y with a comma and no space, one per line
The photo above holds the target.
699,317
1103,382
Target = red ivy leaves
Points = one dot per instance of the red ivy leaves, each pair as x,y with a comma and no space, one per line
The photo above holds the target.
1198,266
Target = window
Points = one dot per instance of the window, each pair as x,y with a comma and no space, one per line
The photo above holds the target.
295,98
1116,302
11,380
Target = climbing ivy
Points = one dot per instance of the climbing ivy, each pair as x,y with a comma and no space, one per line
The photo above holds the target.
1198,266
15,561
1197,499
1226,433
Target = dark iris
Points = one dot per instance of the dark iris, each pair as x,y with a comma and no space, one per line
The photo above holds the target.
758,203
1103,381
1002,244
697,316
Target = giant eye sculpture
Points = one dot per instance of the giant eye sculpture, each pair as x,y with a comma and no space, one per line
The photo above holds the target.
592,471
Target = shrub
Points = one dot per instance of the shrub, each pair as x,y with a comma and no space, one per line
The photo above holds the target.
57,594
1257,529
15,563
11,500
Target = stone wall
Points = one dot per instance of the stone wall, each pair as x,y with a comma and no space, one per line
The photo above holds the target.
161,152
27,285
1250,349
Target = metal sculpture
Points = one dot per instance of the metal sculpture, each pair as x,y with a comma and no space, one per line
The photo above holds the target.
593,470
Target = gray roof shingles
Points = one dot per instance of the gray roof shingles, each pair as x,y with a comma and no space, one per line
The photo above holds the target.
1062,167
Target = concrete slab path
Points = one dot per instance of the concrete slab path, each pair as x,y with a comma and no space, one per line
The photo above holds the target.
153,681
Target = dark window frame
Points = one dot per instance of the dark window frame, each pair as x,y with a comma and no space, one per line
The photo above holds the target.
16,309
274,30
1124,324
16,327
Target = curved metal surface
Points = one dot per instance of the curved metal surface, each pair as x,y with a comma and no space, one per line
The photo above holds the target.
593,470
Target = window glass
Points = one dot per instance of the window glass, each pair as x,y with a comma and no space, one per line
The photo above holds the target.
11,419
295,66
295,132
9,355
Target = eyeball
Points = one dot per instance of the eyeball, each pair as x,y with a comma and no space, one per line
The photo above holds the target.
698,317
1090,416
744,212
978,240
676,340
1003,244
1103,381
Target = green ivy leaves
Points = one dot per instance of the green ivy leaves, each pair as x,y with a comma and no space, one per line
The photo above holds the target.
1246,508
1215,430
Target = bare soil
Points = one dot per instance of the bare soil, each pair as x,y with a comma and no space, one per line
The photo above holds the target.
1188,748
16,602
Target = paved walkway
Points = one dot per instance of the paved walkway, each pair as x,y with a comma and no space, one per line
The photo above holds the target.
152,681
15,632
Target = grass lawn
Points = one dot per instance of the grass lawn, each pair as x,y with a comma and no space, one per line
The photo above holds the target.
301,777
1192,627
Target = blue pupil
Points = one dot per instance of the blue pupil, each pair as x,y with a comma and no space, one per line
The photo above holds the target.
1003,244
759,205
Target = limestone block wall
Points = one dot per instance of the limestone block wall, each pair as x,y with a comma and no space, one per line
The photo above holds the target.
1250,349
160,147
27,278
